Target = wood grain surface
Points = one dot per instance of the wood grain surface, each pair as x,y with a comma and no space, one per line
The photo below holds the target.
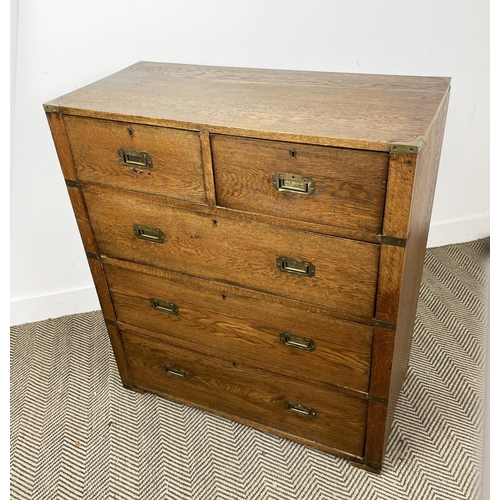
176,155
380,376
246,328
399,195
82,219
236,251
389,283
231,289
242,390
348,110
102,288
375,435
206,153
61,143
349,185
426,171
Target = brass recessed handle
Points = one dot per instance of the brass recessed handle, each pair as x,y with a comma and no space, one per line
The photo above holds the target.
296,267
149,233
135,159
297,341
293,183
164,306
174,371
302,410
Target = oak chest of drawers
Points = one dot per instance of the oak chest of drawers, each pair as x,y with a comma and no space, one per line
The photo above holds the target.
257,237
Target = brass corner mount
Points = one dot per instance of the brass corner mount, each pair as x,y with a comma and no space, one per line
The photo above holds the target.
408,147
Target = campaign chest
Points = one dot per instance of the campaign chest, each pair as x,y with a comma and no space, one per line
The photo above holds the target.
256,238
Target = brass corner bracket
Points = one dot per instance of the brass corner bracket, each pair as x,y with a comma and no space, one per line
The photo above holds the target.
71,183
411,148
384,324
391,240
51,108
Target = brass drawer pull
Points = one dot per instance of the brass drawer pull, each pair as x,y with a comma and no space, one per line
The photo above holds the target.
135,159
295,266
297,341
293,183
302,410
164,306
175,372
149,233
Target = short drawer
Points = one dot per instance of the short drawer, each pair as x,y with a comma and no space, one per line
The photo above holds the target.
253,255
149,159
282,339
313,412
325,185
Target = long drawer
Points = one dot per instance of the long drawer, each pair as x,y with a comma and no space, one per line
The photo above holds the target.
306,411
280,338
143,158
327,271
335,186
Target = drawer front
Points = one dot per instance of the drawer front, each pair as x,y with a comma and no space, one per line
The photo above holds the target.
307,345
141,158
326,185
236,251
238,390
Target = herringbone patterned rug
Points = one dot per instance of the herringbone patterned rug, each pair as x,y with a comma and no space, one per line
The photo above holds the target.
77,434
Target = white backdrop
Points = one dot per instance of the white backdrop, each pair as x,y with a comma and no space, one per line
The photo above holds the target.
63,45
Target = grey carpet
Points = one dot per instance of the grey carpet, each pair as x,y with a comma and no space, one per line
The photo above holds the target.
77,434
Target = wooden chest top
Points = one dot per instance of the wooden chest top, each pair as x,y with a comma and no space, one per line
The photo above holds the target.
338,109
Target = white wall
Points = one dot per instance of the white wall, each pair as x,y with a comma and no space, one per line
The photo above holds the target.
65,44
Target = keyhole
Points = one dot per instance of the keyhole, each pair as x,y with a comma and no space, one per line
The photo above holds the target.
223,297
130,132
214,222
293,154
